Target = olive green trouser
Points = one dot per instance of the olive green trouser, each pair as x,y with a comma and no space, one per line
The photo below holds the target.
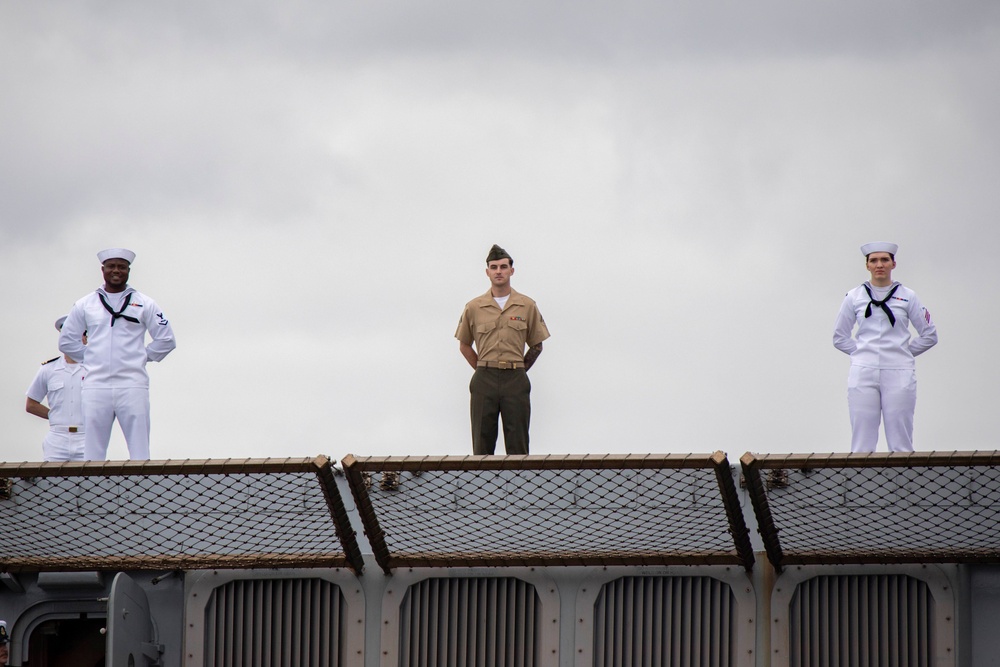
500,393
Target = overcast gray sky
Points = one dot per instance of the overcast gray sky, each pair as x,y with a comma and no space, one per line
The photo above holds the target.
311,189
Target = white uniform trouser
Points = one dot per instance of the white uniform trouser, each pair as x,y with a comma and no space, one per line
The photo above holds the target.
889,396
100,409
63,446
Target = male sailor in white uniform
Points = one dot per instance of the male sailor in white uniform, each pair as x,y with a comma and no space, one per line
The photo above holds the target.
882,384
59,383
116,318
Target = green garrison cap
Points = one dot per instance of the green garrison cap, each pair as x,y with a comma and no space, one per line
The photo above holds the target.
496,252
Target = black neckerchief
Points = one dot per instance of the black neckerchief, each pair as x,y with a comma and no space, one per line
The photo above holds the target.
116,315
881,304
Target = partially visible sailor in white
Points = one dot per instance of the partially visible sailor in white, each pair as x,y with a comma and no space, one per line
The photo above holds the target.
4,648
116,384
882,384
59,382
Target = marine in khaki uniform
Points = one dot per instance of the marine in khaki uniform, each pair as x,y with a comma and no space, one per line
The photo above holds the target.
500,325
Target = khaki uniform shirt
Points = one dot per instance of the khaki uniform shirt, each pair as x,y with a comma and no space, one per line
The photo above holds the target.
501,335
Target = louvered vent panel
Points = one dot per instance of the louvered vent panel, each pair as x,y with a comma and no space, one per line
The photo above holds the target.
469,622
862,621
275,623
665,622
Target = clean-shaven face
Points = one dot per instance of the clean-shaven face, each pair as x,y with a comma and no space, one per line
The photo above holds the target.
499,272
880,266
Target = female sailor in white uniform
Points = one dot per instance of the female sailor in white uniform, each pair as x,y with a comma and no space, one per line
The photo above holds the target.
882,384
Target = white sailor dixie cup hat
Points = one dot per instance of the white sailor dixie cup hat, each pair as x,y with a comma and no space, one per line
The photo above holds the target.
60,322
879,246
116,253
